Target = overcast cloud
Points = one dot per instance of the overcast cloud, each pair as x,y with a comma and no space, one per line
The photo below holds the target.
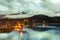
31,7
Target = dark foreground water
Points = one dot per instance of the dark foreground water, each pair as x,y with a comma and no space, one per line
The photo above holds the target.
33,34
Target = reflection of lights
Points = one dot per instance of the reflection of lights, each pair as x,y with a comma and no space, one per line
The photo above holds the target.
21,33
44,23
19,28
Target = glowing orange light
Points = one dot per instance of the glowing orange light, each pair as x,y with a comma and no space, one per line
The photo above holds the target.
19,28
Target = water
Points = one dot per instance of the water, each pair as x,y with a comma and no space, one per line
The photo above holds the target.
45,35
32,34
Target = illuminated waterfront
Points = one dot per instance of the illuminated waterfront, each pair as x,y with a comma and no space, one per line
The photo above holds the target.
34,28
31,34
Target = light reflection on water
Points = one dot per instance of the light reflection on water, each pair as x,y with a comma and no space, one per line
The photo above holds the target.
30,34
